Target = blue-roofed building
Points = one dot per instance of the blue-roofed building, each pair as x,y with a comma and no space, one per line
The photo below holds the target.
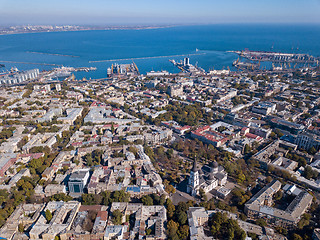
135,189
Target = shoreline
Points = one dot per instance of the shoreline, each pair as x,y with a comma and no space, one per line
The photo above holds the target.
83,30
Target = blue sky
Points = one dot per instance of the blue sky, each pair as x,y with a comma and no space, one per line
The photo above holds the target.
113,12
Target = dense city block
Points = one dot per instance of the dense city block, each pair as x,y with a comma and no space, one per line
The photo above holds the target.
191,155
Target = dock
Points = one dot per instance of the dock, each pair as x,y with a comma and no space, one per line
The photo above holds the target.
277,57
185,66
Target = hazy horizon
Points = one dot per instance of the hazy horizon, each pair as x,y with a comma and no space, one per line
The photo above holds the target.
143,12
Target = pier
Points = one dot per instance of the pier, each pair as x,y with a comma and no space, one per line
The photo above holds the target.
31,63
277,57
55,54
139,58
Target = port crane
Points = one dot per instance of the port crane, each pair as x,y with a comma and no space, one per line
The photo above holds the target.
135,66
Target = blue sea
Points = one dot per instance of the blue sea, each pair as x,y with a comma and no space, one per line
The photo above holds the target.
212,41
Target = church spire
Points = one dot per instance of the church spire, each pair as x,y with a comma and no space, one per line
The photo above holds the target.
195,166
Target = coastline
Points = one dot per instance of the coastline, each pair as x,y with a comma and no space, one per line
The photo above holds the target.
93,29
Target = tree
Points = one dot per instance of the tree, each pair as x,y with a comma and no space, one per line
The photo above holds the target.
243,217
268,179
20,227
162,200
246,149
3,195
182,207
60,197
91,199
241,178
261,222
120,196
147,200
170,189
278,195
170,208
273,135
203,194
117,217
309,173
304,221
148,231
172,228
224,228
183,232
296,237
48,215
312,151
282,230
182,218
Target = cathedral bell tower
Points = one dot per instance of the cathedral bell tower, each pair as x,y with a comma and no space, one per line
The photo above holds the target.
194,180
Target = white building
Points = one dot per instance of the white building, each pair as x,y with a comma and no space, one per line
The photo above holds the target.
265,108
72,115
206,178
78,181
20,77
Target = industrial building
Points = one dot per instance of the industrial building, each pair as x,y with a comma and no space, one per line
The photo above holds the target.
19,77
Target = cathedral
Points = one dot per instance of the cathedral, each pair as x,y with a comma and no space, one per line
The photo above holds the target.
207,177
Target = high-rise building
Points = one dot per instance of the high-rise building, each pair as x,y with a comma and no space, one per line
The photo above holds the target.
186,61
175,90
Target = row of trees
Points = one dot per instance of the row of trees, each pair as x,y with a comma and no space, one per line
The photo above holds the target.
17,195
223,227
184,114
177,220
94,158
309,173
37,166
105,198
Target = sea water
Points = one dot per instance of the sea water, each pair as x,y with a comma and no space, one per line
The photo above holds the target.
85,48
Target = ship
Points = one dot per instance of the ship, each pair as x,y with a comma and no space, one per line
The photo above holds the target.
62,74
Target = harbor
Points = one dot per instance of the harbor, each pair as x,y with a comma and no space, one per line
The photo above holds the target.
263,56
277,61
185,66
143,58
122,70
